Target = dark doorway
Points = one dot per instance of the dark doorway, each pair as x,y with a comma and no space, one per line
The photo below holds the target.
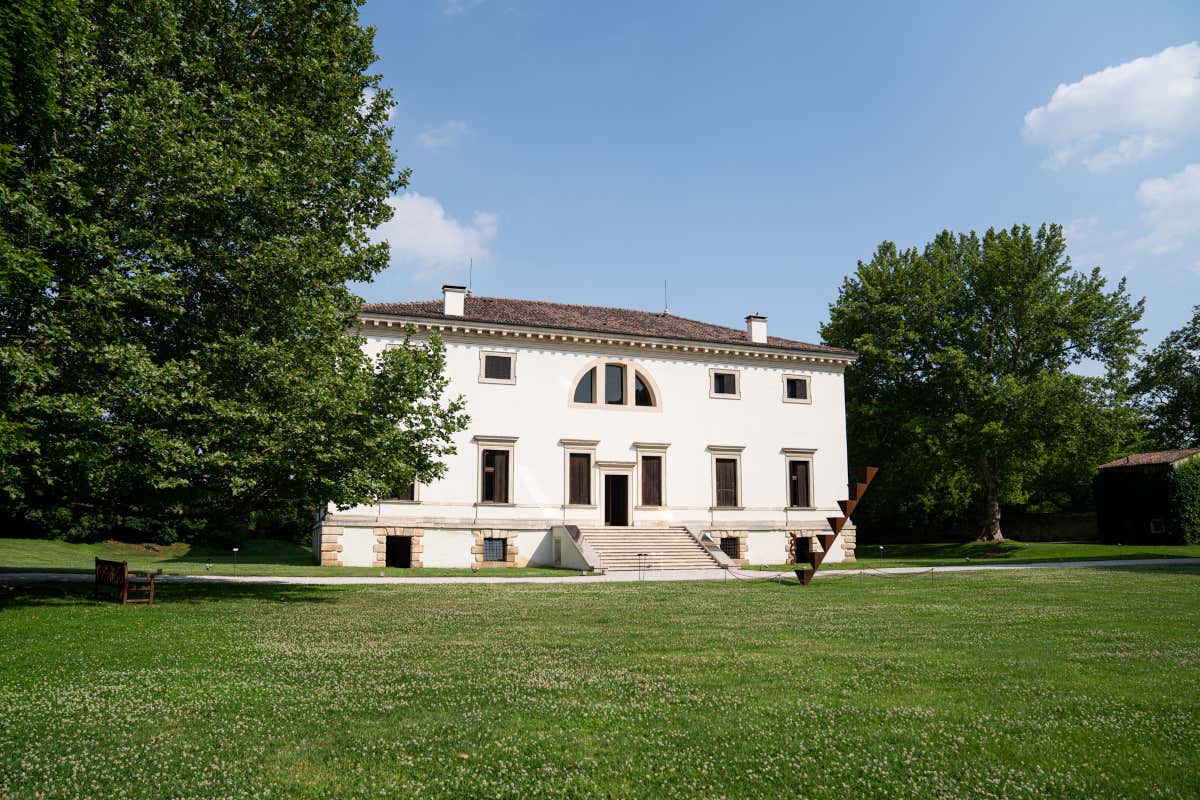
399,552
616,499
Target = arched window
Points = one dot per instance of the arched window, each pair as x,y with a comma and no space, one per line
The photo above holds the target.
585,390
642,395
611,383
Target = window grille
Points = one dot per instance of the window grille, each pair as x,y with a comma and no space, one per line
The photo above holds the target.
731,546
494,549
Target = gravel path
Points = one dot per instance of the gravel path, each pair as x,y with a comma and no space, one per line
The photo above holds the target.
613,577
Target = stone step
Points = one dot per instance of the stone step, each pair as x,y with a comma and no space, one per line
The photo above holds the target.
662,548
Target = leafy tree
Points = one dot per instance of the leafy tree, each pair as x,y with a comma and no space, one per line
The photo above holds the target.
188,186
963,391
1168,386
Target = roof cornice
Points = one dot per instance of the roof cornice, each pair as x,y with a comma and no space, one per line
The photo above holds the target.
547,335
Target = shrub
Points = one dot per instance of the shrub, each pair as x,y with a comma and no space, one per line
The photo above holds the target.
1185,502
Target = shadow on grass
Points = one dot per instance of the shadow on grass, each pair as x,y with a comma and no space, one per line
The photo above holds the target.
59,594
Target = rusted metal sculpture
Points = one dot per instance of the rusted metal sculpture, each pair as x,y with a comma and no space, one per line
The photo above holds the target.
805,570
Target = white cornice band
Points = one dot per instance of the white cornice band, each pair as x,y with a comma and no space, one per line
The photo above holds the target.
616,340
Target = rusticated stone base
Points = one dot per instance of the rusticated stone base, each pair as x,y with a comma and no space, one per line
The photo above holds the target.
330,542
510,547
849,543
380,549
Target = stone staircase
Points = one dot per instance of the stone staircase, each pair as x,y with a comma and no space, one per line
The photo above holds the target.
666,548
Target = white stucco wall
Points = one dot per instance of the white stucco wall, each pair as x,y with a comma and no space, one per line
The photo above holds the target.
358,547
536,409
447,548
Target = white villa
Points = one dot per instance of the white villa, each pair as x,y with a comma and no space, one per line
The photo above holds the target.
605,438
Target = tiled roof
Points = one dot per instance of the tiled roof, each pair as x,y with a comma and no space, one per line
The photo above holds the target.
1148,459
596,319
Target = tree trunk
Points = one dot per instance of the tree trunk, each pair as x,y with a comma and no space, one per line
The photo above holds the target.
989,530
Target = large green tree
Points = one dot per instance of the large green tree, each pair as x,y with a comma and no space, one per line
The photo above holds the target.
188,186
966,387
1168,386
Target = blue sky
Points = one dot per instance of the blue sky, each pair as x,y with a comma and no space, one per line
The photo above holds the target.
751,153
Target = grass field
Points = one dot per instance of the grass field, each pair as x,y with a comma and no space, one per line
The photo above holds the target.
1048,683
870,556
273,558
256,557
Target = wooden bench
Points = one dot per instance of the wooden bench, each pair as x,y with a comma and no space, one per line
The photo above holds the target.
116,574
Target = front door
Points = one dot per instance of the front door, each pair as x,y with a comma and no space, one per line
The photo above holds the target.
616,499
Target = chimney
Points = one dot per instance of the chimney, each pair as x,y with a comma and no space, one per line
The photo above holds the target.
756,327
453,300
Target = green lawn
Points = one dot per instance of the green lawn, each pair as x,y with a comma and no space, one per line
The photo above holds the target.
1050,683
1007,552
256,557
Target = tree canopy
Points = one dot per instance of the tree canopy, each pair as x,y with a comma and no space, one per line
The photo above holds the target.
188,188
968,387
1168,387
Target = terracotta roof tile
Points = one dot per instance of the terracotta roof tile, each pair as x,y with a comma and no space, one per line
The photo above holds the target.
596,319
1148,459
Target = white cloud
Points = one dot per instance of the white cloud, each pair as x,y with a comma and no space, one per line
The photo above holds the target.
423,236
1171,209
1122,114
440,137
453,8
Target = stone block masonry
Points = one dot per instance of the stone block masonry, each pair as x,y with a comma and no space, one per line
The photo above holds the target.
381,537
510,547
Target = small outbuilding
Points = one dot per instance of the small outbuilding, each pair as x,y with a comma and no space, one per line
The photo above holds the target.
1144,498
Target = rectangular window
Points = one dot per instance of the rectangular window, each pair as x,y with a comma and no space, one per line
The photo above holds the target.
652,480
796,389
724,383
614,384
579,479
731,546
494,483
798,482
727,488
494,549
497,368
406,494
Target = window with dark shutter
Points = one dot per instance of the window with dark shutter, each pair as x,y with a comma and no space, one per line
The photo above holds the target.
495,476
406,494
580,479
798,484
797,388
497,368
585,390
724,383
652,480
727,494
614,384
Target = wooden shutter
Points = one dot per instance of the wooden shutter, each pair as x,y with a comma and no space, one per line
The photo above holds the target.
501,476
580,479
798,484
652,480
494,481
408,493
497,368
727,482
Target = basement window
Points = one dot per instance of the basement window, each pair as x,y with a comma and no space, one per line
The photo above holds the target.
495,549
731,546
